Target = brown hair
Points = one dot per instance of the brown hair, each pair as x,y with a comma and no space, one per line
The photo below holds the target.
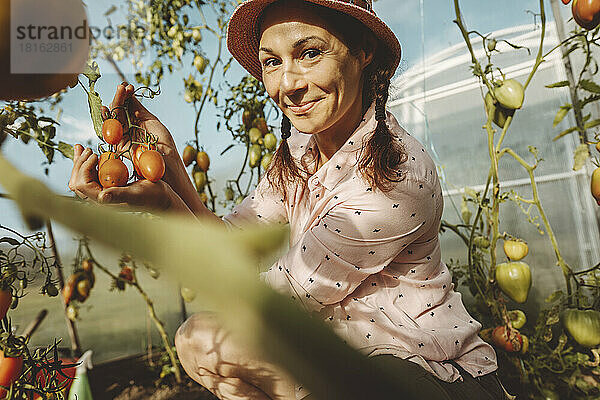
382,155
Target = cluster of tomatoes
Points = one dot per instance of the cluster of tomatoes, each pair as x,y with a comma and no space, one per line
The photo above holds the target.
112,171
78,287
585,12
262,141
201,162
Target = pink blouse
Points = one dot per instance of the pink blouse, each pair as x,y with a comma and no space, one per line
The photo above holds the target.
369,262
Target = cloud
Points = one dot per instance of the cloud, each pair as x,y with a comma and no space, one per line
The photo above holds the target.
76,130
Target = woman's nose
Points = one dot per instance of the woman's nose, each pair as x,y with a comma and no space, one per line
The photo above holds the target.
293,80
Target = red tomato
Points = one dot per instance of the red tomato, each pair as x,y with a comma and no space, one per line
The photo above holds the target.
68,371
5,300
566,1
151,165
501,338
126,274
112,131
113,173
586,13
10,369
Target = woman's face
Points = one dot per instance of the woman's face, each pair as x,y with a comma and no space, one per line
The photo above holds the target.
309,72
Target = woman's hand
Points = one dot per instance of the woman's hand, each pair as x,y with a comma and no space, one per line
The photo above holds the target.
143,193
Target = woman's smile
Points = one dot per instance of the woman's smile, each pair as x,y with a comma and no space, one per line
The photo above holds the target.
303,108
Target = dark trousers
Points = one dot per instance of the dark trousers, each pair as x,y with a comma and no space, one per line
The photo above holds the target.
485,387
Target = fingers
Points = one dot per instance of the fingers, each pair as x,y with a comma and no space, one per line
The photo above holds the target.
122,93
84,178
141,193
139,111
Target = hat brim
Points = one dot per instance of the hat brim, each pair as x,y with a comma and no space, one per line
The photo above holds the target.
243,31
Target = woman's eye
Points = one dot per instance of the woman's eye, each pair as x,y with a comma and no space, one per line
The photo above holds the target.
312,53
269,62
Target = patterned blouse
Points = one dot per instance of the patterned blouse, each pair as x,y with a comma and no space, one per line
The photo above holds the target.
369,262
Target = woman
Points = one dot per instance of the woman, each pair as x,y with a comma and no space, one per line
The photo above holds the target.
362,198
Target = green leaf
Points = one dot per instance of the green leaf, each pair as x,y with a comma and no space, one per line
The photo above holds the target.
582,153
95,104
561,114
66,149
590,86
592,124
92,72
554,296
565,132
9,240
558,84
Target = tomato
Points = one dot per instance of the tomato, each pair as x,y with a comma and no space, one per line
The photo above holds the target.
113,173
49,289
509,340
189,155
261,124
491,44
228,193
69,288
510,94
499,113
10,369
87,265
586,13
598,146
266,160
137,152
517,318
204,198
247,119
187,294
199,180
203,161
72,312
112,131
515,249
514,278
525,345
255,134
152,165
254,156
83,289
270,141
595,185
583,326
5,301
126,274
566,1
107,155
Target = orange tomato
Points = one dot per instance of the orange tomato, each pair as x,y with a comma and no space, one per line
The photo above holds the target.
510,341
10,369
586,13
113,173
137,152
189,154
595,185
112,131
151,165
202,161
106,156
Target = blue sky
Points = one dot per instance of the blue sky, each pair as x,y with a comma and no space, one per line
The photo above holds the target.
410,20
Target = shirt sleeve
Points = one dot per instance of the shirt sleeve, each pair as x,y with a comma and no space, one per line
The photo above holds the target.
263,205
353,240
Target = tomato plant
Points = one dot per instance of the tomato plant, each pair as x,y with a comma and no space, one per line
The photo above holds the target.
152,165
112,131
113,172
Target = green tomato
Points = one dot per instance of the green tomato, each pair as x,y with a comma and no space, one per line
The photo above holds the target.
583,326
517,318
254,156
199,180
255,134
266,160
514,279
499,113
187,294
510,94
270,141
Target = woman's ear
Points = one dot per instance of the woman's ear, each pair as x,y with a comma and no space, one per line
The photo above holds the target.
369,47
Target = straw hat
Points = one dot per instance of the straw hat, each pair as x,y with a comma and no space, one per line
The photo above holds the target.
243,30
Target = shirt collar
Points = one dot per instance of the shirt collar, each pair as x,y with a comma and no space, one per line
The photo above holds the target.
346,158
